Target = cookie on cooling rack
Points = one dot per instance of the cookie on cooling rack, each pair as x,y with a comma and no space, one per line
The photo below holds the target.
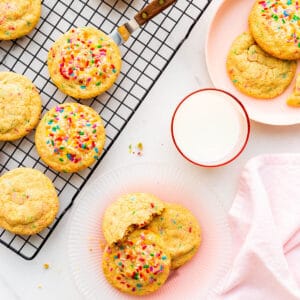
28,201
128,212
139,265
84,62
256,73
274,25
20,106
180,232
70,137
18,17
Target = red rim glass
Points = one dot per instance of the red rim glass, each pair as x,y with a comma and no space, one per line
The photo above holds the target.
235,155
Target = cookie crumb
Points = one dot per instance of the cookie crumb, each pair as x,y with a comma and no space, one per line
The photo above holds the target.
140,146
46,266
137,149
102,245
130,149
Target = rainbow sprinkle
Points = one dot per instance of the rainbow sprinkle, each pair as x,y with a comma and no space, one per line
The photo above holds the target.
85,59
279,13
137,149
72,133
137,264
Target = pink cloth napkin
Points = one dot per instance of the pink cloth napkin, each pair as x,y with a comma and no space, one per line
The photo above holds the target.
265,222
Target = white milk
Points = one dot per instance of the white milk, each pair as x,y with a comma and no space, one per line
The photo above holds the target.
210,127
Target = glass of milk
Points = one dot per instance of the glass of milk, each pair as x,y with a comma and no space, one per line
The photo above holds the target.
210,127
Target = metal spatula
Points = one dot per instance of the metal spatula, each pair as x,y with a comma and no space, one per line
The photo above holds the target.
122,33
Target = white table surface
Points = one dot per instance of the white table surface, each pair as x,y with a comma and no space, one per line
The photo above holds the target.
150,125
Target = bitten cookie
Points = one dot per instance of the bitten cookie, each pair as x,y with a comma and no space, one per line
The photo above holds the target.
256,73
139,265
70,137
18,17
128,212
274,25
180,232
20,106
294,99
84,62
28,201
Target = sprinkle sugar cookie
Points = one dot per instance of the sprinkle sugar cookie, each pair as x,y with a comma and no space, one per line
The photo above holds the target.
84,62
28,201
179,230
294,98
130,211
139,265
20,106
275,25
70,137
18,17
254,72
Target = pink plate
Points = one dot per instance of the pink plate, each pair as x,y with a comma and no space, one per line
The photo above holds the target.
230,21
195,280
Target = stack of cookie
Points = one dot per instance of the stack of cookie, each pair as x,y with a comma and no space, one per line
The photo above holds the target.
262,62
146,239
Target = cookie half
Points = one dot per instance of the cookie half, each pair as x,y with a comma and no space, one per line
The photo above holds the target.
28,201
180,231
84,62
20,106
274,25
128,212
254,72
18,17
139,265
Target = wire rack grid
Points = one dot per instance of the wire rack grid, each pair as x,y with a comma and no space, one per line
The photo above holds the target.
144,58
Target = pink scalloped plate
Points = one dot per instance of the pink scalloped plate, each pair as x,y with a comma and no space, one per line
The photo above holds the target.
197,279
229,21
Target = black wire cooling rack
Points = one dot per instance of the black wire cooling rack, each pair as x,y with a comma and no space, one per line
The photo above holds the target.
145,55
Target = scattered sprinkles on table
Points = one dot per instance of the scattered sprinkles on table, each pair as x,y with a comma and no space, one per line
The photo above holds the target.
70,137
139,265
137,149
84,62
